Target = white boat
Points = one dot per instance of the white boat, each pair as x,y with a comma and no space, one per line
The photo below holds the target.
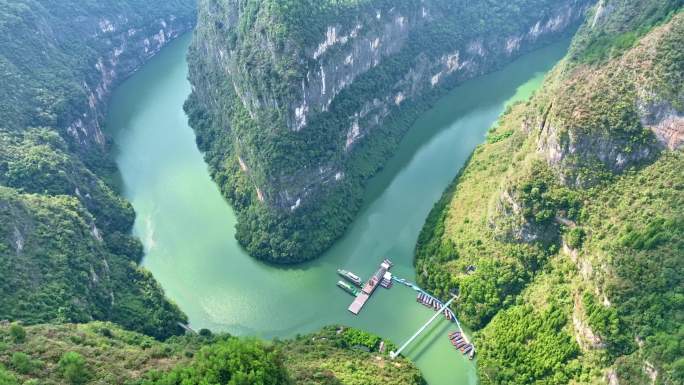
351,277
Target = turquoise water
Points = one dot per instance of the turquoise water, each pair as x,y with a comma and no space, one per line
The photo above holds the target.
188,229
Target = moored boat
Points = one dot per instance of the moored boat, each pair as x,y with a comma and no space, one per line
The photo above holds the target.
455,334
347,287
351,277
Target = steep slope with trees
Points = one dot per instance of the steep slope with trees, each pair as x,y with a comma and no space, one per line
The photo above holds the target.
563,233
66,254
103,353
297,103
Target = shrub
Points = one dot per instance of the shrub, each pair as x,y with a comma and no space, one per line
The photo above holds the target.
678,370
73,368
21,362
356,337
575,237
6,378
234,362
18,333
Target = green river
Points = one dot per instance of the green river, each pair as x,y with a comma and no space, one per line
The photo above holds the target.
188,229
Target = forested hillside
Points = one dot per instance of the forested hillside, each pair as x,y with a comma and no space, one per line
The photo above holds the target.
65,250
103,353
563,233
297,103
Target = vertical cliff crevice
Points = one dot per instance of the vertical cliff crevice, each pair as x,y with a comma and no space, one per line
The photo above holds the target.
312,103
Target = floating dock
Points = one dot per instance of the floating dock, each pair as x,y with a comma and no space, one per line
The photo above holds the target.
358,303
370,286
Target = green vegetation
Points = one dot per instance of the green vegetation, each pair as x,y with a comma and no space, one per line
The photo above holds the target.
355,337
104,353
502,267
637,224
232,362
49,49
576,256
619,26
333,356
66,254
22,363
61,271
507,357
17,333
73,369
314,163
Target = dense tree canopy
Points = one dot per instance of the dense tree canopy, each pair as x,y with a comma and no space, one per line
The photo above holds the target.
575,255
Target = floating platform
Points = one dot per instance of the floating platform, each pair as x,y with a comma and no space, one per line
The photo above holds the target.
370,286
358,303
386,280
434,303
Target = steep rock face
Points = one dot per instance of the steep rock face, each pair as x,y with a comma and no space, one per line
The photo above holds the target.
57,266
66,249
63,68
299,103
665,121
594,122
594,159
129,45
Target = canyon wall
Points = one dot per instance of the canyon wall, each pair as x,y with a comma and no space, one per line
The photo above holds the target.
562,232
66,249
307,108
128,45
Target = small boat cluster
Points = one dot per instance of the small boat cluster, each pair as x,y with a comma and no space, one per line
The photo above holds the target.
461,343
434,303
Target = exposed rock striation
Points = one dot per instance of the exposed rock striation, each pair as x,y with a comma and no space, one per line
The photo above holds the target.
576,199
129,45
310,107
618,116
66,249
86,51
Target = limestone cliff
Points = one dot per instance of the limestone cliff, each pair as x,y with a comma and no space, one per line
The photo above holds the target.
563,232
128,45
306,101
615,117
62,61
66,250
